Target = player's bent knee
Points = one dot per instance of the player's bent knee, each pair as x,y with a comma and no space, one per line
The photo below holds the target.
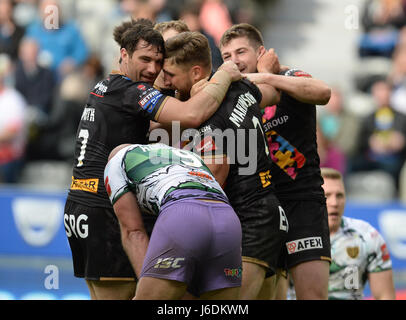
111,290
159,289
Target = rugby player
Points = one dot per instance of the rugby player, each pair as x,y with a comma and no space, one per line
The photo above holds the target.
238,159
196,241
290,127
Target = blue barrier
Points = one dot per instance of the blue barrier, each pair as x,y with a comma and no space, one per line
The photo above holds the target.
32,224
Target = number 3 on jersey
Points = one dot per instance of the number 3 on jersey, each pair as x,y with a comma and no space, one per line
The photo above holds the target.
84,134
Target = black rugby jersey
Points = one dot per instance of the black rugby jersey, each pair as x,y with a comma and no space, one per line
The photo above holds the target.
117,111
290,127
236,130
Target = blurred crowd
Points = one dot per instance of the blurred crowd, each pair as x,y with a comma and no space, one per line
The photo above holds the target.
53,52
374,140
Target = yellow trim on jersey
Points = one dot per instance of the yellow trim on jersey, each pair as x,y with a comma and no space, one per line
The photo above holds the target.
256,261
160,109
116,279
325,258
88,185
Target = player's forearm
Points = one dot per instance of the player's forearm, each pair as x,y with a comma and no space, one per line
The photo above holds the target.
135,244
307,90
382,286
201,106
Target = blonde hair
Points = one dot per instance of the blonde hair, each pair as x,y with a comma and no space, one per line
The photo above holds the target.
330,173
177,25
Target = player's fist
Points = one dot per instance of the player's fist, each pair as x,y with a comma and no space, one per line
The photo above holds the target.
232,69
269,62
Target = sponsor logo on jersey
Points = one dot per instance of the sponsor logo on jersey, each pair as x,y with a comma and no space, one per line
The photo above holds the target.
273,123
385,253
297,73
200,175
284,154
88,185
235,272
150,100
304,244
269,113
99,90
352,252
108,187
206,145
265,178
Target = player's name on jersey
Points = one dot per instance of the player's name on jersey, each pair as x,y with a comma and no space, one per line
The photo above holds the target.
214,145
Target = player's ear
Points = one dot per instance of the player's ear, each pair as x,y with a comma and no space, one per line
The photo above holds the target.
261,51
196,72
123,55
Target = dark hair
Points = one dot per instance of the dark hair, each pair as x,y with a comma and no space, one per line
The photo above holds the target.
188,49
129,33
243,30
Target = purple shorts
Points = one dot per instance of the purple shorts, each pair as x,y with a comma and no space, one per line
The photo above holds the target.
198,243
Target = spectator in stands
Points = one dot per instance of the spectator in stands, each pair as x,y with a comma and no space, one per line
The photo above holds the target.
215,18
382,138
330,154
60,41
37,85
190,15
381,20
10,32
56,139
34,82
12,126
397,75
72,97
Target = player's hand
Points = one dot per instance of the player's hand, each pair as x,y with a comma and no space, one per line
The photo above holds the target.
269,62
232,69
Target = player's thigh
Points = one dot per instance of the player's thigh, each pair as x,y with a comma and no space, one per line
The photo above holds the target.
111,290
274,287
253,276
163,289
263,232
311,279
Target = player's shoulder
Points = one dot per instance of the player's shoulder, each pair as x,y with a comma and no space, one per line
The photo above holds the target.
361,226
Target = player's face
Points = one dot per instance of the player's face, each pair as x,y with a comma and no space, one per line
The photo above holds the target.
242,53
335,197
178,78
144,64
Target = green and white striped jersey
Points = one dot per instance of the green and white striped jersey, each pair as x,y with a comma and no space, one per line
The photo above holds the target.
357,249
